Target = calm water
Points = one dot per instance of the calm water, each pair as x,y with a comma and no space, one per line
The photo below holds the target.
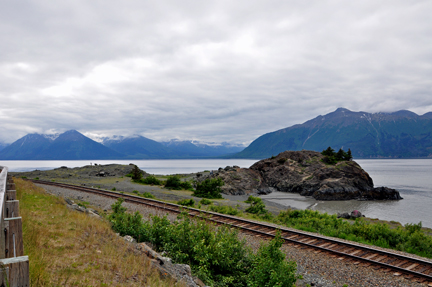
412,177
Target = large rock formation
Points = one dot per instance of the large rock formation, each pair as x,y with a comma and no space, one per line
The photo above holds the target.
304,172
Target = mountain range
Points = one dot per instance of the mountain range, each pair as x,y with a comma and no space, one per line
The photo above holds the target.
73,145
3,145
402,134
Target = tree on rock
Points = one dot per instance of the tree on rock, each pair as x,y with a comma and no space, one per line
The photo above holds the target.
136,173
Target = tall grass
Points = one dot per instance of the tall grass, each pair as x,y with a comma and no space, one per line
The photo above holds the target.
69,248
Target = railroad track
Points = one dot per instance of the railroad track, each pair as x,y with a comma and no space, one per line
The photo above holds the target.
411,268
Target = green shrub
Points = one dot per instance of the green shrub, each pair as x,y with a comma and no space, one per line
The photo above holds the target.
216,254
205,201
186,202
136,192
281,160
151,179
225,209
36,178
174,182
209,188
269,267
23,177
113,189
257,206
148,195
186,185
409,238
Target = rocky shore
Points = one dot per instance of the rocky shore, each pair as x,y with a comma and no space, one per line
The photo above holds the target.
303,172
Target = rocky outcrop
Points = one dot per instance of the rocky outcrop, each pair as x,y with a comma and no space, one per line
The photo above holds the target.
305,173
238,181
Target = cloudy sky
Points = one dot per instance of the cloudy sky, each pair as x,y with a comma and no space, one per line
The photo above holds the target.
211,71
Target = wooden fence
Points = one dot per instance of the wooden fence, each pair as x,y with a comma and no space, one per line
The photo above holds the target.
14,266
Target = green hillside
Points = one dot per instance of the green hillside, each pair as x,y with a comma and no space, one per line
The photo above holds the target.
402,134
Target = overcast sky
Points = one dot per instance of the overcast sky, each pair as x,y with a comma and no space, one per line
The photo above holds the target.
211,71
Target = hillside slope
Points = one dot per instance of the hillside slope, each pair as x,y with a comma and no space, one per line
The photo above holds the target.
401,134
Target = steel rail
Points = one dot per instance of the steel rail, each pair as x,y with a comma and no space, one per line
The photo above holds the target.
322,242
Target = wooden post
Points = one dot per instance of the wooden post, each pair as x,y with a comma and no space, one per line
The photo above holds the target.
10,185
14,272
14,267
12,208
14,242
3,181
10,194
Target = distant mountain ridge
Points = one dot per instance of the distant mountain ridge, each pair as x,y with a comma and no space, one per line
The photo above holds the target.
70,145
3,145
73,145
402,134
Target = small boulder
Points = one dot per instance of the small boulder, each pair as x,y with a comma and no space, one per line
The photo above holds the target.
355,214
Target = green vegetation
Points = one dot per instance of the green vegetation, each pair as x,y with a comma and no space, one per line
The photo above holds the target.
174,182
186,202
150,180
332,157
113,189
225,209
209,188
148,195
205,201
96,255
216,254
270,268
84,204
136,192
136,173
257,206
281,160
409,238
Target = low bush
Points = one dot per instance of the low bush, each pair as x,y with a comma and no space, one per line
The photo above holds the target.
257,206
151,179
186,202
225,209
409,238
215,254
209,188
269,267
205,201
174,182
148,195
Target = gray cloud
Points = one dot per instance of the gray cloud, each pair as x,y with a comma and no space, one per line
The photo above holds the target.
207,70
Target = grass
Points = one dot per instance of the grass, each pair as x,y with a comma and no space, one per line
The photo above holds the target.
69,248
